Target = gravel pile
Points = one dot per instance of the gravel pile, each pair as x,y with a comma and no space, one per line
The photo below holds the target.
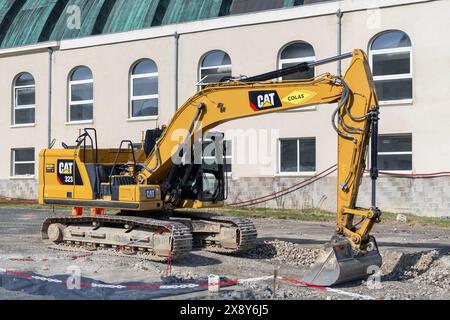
426,268
285,252
437,273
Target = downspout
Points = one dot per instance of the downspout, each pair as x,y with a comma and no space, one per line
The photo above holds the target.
339,15
50,76
175,74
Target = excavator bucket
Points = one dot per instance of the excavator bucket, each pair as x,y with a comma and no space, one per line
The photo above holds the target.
339,263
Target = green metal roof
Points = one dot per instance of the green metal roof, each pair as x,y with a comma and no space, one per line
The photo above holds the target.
4,8
183,11
89,13
28,23
25,22
131,15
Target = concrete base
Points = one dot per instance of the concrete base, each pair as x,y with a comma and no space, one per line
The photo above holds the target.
426,197
21,189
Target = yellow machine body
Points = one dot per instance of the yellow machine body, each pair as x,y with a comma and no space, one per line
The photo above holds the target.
150,181
64,180
212,106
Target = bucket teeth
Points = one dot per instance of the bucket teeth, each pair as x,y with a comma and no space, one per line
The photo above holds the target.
340,263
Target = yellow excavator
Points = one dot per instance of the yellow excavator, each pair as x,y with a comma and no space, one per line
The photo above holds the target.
158,190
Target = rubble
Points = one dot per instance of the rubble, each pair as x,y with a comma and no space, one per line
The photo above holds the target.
428,268
285,252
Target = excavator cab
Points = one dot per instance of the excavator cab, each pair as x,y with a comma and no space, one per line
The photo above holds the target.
199,180
213,175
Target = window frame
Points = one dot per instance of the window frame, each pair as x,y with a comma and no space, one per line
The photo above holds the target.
398,153
81,102
297,60
133,98
400,76
201,68
22,107
298,172
14,162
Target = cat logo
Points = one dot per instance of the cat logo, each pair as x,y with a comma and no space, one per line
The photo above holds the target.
68,174
299,97
65,167
262,100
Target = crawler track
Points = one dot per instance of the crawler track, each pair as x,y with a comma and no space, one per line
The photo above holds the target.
247,231
180,236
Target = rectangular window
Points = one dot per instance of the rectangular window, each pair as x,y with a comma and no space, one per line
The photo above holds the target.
24,105
392,73
81,103
81,112
22,162
297,155
144,98
391,63
144,107
395,152
82,92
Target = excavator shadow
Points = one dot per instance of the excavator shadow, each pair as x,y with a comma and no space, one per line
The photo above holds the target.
196,260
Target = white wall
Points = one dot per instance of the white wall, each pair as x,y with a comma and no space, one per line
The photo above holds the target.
253,49
19,137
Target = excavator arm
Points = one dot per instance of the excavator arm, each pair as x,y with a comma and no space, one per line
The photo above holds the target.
355,119
357,109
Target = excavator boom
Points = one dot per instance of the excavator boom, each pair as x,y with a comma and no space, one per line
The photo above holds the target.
169,177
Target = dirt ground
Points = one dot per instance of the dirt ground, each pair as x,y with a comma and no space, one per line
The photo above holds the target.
416,264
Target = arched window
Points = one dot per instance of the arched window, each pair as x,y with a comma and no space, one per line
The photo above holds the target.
144,89
81,95
294,54
24,90
390,57
215,66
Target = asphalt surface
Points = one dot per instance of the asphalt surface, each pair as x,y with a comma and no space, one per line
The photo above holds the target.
414,257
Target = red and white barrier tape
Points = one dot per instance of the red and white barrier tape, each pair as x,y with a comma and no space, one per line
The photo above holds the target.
189,285
337,291
134,287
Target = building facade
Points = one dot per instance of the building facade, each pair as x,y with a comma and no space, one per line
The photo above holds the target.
109,72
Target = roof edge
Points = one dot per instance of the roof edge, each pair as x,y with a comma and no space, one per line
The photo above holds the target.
245,19
33,48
